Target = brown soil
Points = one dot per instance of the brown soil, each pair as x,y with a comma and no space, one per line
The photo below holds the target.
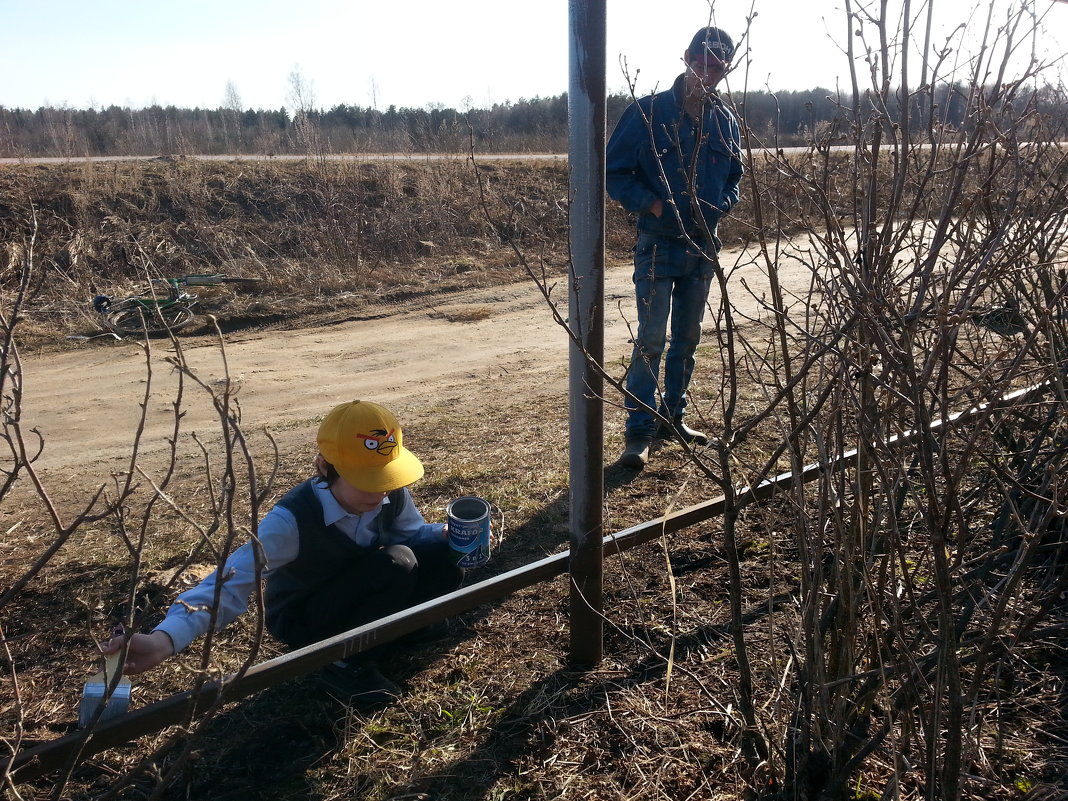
408,356
479,376
477,361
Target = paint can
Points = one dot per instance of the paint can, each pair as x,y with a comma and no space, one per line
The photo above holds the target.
469,530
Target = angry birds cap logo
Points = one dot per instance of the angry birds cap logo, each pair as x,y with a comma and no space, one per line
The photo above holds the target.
380,441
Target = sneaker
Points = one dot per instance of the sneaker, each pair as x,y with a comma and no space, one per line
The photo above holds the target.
636,454
682,431
360,684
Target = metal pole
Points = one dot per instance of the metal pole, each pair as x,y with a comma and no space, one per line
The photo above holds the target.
586,156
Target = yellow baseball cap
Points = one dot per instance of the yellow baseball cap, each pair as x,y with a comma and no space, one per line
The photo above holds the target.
364,443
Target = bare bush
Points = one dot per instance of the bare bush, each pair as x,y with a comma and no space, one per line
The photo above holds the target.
131,519
937,270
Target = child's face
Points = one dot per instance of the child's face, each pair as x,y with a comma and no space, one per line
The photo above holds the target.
355,501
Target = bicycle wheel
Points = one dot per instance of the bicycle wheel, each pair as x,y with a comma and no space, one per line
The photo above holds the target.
136,320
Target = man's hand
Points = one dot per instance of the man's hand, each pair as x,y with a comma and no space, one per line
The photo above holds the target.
657,209
145,651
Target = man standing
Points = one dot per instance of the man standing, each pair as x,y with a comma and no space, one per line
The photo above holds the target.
674,160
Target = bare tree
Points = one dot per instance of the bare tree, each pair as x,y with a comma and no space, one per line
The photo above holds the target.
302,99
234,107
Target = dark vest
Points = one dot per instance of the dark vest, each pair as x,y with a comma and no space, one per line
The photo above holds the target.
324,551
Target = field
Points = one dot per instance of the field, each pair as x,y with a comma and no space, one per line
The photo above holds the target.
420,286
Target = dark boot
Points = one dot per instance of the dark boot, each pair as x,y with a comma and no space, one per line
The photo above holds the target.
636,454
358,683
683,432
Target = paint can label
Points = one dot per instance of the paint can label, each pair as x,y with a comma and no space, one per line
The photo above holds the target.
469,530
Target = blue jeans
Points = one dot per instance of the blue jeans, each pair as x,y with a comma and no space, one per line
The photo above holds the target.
671,283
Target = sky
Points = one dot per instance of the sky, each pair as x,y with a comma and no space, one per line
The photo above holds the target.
411,53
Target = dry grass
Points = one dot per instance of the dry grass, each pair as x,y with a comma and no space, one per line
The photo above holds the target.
494,712
325,238
471,314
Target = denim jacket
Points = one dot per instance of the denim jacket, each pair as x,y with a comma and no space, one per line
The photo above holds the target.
633,169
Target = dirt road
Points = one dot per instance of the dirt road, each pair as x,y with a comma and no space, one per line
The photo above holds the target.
86,402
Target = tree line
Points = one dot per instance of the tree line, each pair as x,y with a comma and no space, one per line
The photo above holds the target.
781,119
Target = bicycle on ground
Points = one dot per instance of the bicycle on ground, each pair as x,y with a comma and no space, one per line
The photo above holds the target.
165,306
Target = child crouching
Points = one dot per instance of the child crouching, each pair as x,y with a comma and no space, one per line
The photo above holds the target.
341,549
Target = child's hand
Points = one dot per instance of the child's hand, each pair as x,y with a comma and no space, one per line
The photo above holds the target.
145,651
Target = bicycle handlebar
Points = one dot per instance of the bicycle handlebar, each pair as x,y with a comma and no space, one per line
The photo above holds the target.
213,279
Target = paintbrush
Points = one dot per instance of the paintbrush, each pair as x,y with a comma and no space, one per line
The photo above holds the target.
94,693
